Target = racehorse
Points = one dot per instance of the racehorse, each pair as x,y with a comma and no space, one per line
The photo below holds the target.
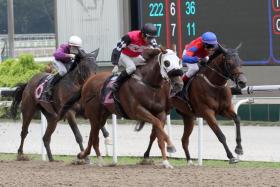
63,90
207,96
144,96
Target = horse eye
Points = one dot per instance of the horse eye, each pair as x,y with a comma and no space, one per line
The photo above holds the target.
166,63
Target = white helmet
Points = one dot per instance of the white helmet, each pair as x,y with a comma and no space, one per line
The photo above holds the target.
75,41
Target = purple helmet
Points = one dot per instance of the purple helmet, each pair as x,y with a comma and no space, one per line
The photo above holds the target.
209,38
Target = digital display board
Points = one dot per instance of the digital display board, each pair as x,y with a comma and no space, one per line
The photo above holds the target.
255,24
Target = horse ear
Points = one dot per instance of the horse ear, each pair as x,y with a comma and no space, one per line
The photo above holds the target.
174,48
224,50
163,49
95,53
239,46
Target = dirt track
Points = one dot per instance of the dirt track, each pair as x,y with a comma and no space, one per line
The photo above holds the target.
38,173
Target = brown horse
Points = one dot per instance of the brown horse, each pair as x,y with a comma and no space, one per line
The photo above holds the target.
147,82
209,96
70,84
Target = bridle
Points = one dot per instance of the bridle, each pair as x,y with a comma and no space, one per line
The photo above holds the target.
226,71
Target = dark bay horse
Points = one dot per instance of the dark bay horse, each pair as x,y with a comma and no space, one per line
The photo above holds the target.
209,96
144,96
63,90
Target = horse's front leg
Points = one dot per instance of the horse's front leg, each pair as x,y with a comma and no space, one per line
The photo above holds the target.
144,115
188,128
209,116
232,115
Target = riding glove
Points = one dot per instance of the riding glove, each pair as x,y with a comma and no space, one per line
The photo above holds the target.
115,69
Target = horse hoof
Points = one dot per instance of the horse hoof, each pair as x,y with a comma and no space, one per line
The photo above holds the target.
100,162
87,160
108,141
147,161
233,161
22,157
190,163
80,155
238,150
171,149
167,165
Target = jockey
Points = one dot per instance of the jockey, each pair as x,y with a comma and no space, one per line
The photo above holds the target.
129,50
198,50
64,57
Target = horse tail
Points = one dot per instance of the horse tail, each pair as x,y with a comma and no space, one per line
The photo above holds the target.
139,126
70,103
17,97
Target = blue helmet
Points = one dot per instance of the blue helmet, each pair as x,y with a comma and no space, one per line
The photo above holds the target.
209,38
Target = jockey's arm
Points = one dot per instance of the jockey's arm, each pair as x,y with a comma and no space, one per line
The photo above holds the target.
125,41
189,57
153,43
60,55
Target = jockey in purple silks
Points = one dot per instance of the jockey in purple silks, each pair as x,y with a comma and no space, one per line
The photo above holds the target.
64,57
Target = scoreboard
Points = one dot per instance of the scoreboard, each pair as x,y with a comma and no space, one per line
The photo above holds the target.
255,24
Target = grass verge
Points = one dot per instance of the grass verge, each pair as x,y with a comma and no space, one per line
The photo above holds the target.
179,162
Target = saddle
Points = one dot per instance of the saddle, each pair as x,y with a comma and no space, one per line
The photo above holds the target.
40,94
42,87
111,100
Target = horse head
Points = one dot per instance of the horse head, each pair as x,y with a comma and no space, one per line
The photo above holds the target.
169,65
230,66
86,63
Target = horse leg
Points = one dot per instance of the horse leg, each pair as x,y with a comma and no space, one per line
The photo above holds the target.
73,125
232,115
144,115
152,139
105,133
96,123
95,140
188,128
161,144
209,116
27,115
47,136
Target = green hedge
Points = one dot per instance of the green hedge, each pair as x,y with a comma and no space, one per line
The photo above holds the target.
14,71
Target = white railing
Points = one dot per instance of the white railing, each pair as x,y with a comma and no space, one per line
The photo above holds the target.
238,102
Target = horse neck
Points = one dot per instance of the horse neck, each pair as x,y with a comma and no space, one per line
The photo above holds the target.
151,72
214,76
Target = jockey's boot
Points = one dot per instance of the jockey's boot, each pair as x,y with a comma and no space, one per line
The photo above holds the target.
121,78
55,79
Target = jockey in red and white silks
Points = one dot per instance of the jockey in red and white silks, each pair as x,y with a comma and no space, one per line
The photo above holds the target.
129,50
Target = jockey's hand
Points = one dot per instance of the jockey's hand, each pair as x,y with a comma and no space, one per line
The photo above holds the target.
203,61
115,70
71,56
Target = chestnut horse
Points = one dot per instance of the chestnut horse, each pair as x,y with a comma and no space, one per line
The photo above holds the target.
208,96
63,90
147,82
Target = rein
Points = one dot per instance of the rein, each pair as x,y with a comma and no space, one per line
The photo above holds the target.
145,83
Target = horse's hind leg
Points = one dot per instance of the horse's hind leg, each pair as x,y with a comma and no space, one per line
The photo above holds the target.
209,116
27,115
188,128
